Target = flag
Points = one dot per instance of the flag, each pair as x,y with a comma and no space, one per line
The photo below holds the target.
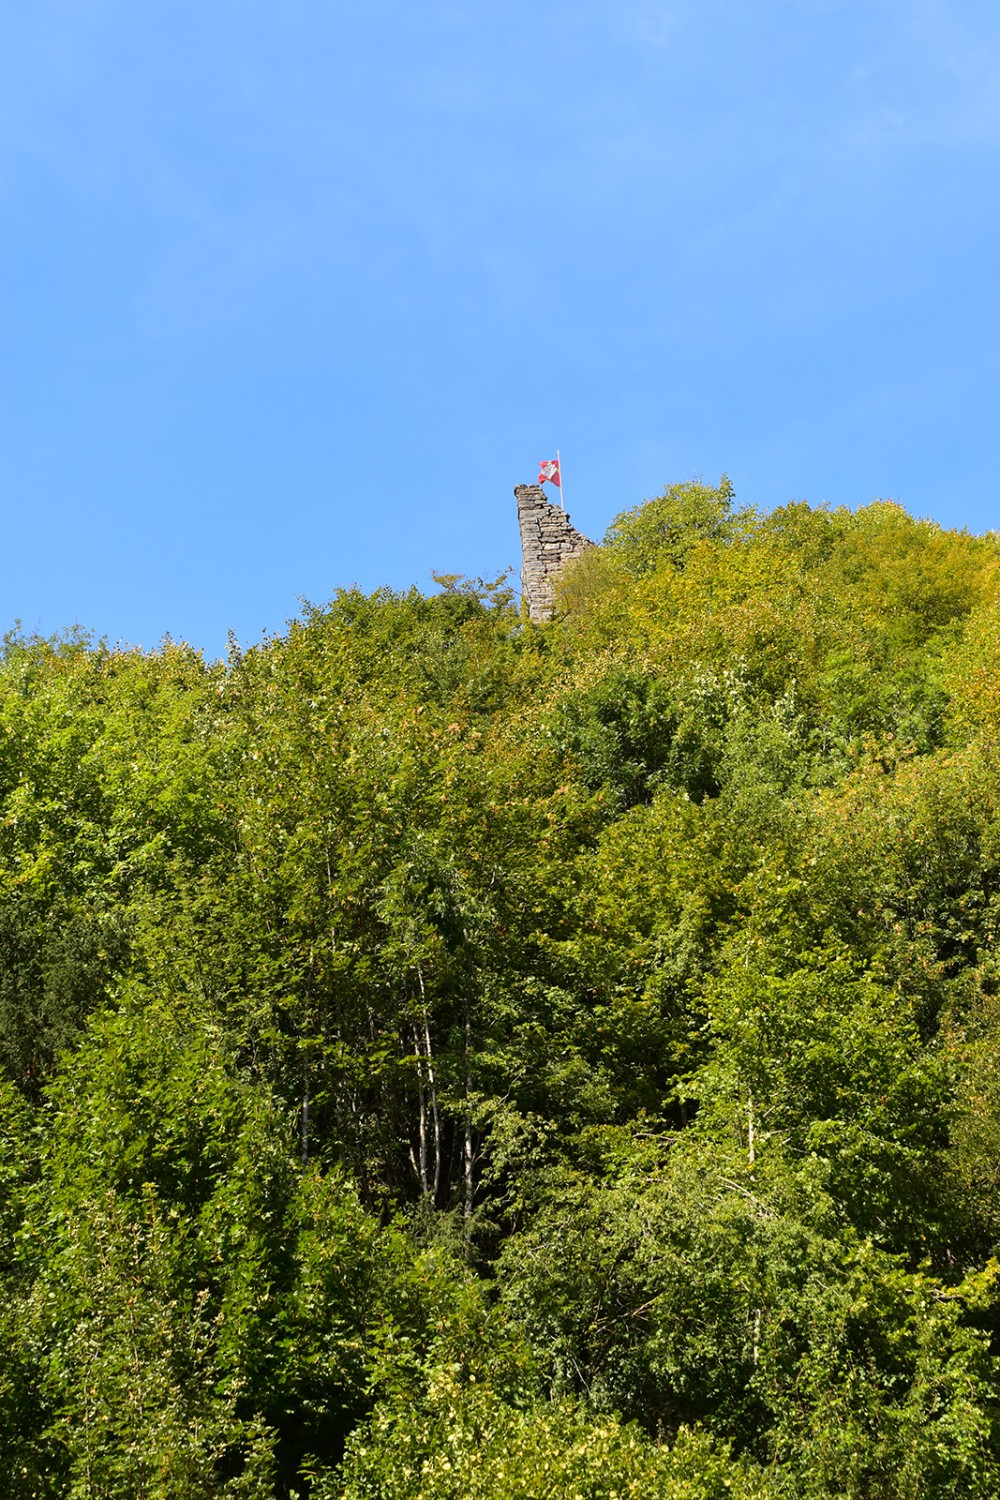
548,472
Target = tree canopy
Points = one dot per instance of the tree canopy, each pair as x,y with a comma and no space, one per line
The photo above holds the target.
444,1055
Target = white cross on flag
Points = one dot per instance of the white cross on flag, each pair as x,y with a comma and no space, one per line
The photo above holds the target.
548,472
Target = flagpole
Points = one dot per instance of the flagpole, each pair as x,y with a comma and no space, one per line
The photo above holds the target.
562,497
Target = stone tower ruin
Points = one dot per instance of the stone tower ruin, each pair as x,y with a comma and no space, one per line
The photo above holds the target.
548,542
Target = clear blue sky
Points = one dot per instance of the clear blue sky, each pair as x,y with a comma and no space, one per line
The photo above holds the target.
295,291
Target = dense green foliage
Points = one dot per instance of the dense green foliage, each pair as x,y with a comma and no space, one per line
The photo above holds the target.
443,1056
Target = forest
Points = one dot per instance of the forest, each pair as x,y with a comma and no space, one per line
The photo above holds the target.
445,1057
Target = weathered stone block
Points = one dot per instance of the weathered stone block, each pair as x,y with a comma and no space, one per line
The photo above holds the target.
548,542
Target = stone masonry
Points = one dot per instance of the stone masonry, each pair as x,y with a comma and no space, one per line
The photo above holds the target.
548,542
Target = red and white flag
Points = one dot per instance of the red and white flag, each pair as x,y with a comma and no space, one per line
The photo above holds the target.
548,472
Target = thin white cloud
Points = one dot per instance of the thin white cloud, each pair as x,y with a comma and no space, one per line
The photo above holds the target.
650,24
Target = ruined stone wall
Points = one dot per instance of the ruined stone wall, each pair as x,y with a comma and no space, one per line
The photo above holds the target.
548,542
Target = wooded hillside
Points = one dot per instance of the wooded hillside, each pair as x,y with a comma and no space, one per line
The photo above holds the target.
446,1056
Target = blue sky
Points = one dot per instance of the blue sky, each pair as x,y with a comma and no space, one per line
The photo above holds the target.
293,292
